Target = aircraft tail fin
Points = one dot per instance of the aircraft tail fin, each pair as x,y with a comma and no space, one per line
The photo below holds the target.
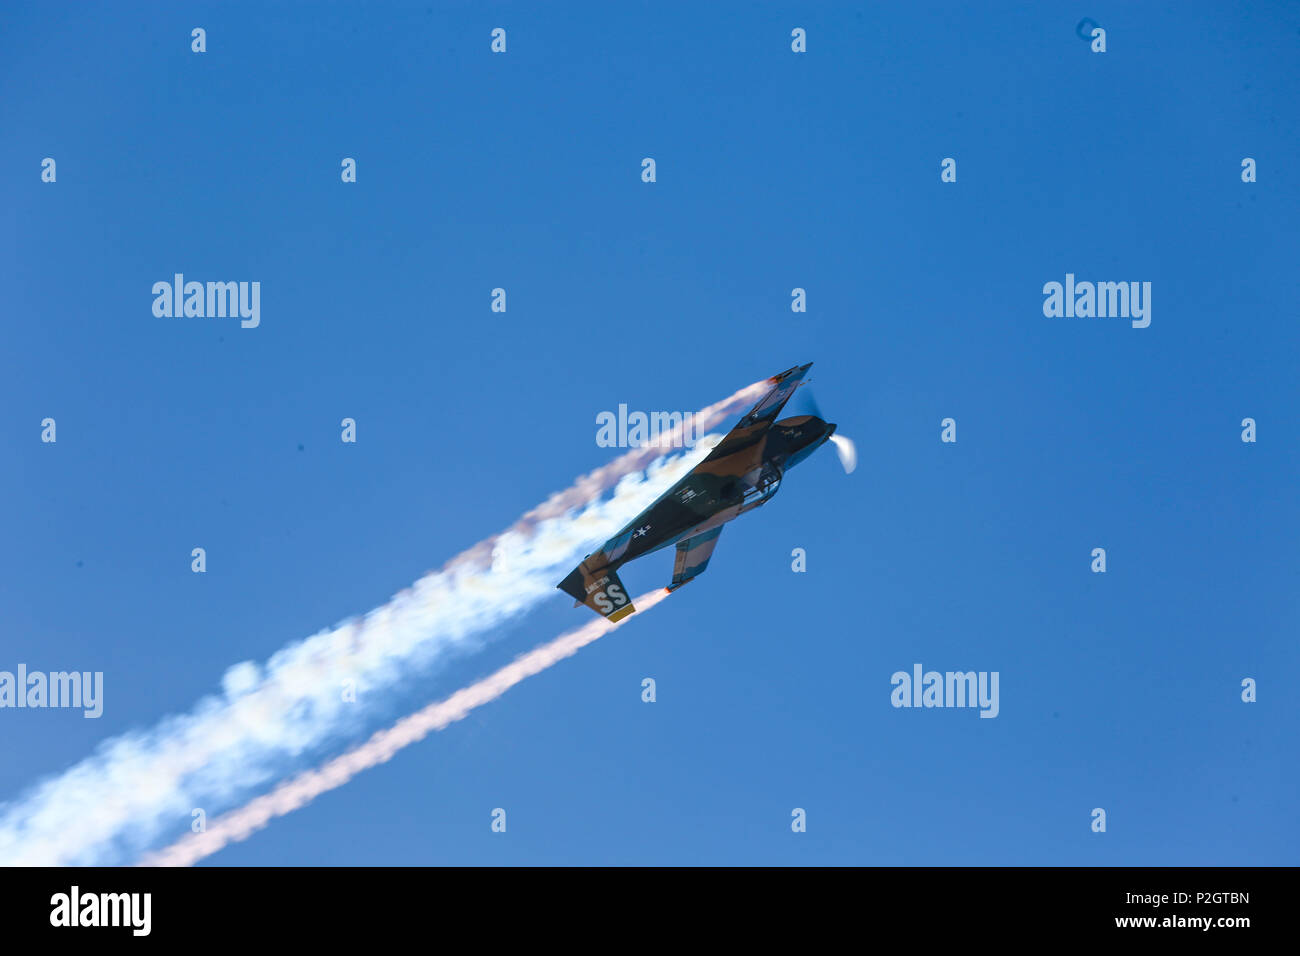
600,590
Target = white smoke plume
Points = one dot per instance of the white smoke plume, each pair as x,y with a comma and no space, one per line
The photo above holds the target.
138,786
297,792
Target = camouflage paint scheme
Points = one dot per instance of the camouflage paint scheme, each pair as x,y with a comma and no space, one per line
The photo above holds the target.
743,472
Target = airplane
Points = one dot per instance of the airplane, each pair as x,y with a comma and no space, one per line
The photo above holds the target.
742,473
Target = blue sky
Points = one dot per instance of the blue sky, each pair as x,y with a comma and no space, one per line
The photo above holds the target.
774,171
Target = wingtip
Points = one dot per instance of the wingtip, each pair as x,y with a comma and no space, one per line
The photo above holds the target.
799,369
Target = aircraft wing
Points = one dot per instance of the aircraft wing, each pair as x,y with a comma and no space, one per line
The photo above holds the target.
693,556
759,418
770,405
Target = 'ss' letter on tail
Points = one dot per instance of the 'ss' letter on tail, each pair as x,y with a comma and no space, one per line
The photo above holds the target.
600,590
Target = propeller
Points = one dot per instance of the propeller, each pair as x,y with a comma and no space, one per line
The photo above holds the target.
806,398
847,451
844,447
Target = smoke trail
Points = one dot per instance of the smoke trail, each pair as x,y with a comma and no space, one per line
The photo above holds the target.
138,785
299,791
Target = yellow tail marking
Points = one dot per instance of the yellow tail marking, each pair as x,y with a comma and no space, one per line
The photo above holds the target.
620,613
